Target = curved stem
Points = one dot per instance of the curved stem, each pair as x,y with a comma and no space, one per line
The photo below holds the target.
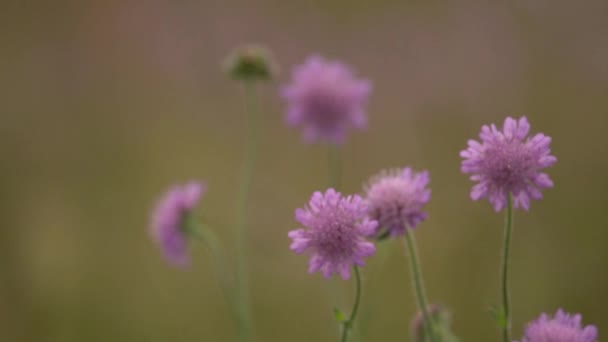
335,166
349,323
505,270
241,212
420,293
225,281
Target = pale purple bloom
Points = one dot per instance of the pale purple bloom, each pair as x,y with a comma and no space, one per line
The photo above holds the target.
334,233
396,199
326,100
508,161
563,327
170,218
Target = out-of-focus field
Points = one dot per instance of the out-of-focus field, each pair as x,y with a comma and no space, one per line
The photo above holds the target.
103,104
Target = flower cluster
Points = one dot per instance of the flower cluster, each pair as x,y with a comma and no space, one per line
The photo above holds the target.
339,232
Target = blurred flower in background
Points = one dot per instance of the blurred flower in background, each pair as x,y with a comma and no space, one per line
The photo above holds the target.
326,100
396,198
170,220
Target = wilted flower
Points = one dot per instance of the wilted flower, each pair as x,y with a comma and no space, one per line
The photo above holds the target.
334,233
506,162
561,328
170,219
326,100
396,199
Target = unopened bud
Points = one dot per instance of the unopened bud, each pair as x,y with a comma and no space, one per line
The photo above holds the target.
442,321
251,63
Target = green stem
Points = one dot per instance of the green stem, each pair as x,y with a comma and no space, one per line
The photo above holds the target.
367,313
335,166
347,326
225,281
505,270
242,215
420,293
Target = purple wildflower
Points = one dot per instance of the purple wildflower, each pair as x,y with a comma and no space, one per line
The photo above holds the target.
326,99
334,233
506,162
396,199
169,219
563,327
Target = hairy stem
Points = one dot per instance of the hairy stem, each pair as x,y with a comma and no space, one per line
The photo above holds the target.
347,325
247,172
419,291
506,329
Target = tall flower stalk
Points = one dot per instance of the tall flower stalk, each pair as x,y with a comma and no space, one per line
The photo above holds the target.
334,234
418,282
397,199
248,65
507,167
247,173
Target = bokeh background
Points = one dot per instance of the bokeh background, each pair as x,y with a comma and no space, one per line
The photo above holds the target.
107,103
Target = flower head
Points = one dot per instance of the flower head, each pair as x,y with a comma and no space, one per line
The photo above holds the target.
326,100
334,233
508,162
251,63
396,199
170,219
563,327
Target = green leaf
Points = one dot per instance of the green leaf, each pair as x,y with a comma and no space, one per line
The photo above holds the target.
339,315
499,316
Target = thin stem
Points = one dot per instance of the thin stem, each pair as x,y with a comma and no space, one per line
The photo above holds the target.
334,163
242,214
367,313
420,293
349,323
225,281
505,271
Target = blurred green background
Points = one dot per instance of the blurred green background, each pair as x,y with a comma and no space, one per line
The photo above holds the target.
107,103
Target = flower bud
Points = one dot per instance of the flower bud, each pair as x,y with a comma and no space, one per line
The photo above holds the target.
442,320
250,63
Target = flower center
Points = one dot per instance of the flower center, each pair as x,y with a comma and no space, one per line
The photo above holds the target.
326,108
509,164
335,239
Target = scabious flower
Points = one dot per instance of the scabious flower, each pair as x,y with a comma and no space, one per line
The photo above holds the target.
326,100
170,219
396,199
334,233
508,162
563,327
